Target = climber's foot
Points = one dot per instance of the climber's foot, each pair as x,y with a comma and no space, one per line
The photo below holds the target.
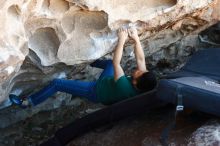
23,103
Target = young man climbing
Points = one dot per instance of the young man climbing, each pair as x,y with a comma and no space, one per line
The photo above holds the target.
112,85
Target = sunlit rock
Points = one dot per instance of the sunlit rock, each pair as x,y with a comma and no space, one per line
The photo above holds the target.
216,12
119,11
80,45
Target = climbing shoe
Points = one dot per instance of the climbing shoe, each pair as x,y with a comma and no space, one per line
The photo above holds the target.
18,101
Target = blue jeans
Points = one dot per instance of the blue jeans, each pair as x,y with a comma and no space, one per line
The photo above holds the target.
75,87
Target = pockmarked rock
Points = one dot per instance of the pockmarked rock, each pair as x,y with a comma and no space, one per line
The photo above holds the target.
208,134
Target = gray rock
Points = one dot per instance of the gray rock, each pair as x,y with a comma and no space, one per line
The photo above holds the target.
207,135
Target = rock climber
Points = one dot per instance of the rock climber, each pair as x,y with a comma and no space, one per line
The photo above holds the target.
111,87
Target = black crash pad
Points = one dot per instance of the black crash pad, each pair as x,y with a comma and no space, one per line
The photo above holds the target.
130,107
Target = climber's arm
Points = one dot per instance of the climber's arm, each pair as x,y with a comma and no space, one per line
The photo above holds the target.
118,71
138,50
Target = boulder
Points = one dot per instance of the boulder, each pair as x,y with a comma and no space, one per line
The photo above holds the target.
208,134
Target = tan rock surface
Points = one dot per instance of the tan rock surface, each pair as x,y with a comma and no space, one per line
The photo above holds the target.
216,12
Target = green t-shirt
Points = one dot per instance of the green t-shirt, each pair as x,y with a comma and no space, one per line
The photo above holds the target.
110,91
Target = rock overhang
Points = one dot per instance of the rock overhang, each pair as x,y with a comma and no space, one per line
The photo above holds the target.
75,32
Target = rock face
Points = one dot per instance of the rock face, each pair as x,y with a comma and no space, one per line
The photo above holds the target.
208,134
40,38
216,12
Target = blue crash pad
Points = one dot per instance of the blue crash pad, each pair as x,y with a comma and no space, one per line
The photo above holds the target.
197,82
